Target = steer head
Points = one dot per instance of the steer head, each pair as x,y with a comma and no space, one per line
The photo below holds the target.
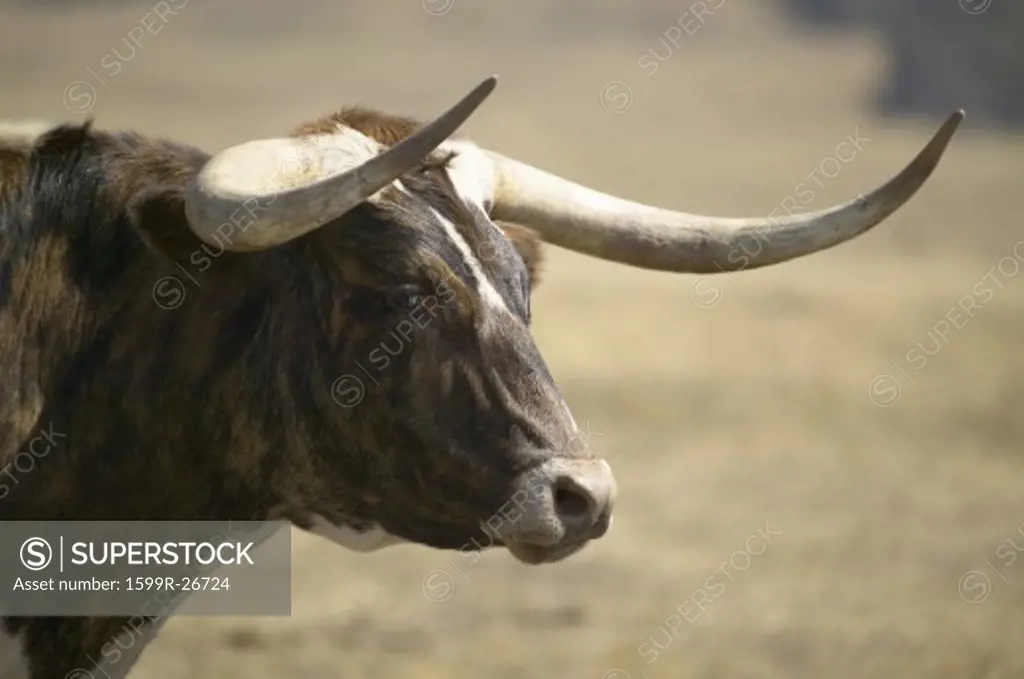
442,424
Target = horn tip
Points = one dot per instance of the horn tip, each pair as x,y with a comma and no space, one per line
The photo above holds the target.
481,91
954,121
945,133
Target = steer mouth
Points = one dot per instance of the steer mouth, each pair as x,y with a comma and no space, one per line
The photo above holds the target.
535,555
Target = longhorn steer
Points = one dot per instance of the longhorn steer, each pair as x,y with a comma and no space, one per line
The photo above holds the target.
361,242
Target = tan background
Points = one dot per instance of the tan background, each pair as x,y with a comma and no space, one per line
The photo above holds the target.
717,417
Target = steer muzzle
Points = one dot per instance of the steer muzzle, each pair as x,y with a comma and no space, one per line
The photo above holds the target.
561,505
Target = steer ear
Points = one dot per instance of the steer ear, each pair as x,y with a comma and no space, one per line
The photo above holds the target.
528,244
158,216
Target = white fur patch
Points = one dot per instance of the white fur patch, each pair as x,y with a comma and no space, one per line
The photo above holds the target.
472,175
470,172
487,290
368,541
13,661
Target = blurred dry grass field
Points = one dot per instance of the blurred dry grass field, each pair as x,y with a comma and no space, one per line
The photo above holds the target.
743,403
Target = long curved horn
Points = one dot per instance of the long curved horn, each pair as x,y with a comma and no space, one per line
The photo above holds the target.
284,188
578,218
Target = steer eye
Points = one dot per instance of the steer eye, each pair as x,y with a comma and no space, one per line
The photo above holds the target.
405,298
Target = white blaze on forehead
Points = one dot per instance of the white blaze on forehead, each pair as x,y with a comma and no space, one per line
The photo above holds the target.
369,540
472,175
316,156
486,290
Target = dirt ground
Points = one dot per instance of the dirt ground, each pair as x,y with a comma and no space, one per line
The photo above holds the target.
819,463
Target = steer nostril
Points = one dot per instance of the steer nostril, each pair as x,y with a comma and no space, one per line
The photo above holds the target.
571,501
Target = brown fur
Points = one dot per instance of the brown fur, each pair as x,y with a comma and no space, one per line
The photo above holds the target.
12,168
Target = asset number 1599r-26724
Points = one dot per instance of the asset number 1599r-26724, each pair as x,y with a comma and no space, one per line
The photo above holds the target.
179,584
